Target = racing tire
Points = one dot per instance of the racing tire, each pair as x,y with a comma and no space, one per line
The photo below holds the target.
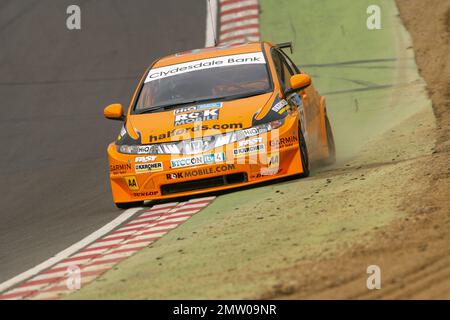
330,143
303,154
128,205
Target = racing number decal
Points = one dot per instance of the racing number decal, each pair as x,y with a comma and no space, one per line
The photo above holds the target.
132,183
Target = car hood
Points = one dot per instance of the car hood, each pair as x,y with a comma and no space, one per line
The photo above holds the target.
194,121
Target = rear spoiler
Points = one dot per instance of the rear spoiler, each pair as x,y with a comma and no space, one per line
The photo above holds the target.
285,45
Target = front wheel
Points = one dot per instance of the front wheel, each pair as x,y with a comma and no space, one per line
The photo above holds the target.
128,205
303,154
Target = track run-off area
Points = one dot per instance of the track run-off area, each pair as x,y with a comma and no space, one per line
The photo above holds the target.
292,239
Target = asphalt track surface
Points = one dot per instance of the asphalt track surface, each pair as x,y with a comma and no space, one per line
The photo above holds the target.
54,84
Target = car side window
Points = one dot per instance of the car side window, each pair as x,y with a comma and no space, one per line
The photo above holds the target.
278,66
283,70
290,63
288,72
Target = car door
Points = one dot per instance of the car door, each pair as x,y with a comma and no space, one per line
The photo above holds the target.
309,101
285,70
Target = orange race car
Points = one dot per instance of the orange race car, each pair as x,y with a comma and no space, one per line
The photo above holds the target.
217,118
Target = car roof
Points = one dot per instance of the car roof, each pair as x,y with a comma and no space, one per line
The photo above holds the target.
211,52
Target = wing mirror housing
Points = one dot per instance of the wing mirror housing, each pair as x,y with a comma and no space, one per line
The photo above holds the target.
114,112
298,82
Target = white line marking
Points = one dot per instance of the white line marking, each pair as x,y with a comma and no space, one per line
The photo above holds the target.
28,288
155,214
225,35
44,276
194,206
140,221
211,22
164,205
69,251
124,232
210,199
105,243
130,246
236,5
170,226
243,23
46,295
240,14
97,267
175,219
89,253
148,237
177,214
73,263
109,256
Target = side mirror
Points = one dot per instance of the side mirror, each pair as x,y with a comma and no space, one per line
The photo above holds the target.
114,112
298,82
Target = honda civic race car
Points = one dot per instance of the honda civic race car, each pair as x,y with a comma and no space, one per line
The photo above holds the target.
217,118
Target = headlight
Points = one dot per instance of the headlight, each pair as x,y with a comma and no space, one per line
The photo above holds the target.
201,145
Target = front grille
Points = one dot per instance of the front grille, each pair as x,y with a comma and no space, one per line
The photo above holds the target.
228,179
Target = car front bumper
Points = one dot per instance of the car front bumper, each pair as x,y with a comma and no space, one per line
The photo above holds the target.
277,156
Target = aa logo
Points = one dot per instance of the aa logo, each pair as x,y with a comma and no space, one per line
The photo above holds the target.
374,20
73,22
132,183
73,281
374,280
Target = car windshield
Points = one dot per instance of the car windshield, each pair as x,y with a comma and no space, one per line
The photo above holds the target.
219,78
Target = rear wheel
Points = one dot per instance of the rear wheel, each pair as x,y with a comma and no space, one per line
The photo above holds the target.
303,154
330,142
128,205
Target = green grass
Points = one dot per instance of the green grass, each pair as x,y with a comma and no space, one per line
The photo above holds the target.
328,31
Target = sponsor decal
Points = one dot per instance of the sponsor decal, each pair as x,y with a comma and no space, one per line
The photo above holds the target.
273,167
143,149
224,61
148,167
274,160
123,131
284,142
145,194
132,183
253,132
276,112
197,146
119,168
250,142
270,171
200,172
197,160
181,131
281,106
196,116
216,105
126,139
145,159
248,150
